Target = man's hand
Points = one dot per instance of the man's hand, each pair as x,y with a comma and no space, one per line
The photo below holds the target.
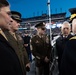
25,45
46,59
28,67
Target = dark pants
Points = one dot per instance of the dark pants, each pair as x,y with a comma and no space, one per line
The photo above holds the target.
43,69
29,53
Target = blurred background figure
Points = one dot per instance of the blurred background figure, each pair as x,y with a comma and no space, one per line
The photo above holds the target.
26,39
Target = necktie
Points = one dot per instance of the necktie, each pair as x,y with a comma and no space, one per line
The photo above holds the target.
14,36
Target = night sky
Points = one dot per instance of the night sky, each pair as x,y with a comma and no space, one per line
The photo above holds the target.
31,8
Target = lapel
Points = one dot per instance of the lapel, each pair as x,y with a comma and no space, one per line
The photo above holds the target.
13,42
4,41
9,36
18,38
39,39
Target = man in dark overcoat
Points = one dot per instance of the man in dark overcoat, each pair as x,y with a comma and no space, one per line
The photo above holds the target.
62,40
9,61
68,62
16,41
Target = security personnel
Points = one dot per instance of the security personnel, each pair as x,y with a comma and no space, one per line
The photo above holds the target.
16,41
41,49
68,62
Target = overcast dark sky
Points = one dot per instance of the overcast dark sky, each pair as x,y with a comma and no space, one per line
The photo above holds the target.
30,8
58,6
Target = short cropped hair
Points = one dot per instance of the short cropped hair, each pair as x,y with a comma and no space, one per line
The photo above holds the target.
65,23
3,3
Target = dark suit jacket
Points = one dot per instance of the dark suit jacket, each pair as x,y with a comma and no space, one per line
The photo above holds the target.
68,62
9,62
60,45
19,49
27,41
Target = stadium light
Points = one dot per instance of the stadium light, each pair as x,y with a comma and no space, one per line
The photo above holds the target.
48,26
22,28
59,25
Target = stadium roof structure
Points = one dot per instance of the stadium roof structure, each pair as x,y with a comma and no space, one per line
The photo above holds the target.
45,17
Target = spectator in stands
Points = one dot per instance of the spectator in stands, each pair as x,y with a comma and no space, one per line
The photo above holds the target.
68,62
62,40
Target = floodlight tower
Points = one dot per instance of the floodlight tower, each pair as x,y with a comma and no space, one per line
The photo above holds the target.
49,17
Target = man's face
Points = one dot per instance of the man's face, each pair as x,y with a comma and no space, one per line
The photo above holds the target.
5,12
6,9
14,25
41,30
66,29
74,26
